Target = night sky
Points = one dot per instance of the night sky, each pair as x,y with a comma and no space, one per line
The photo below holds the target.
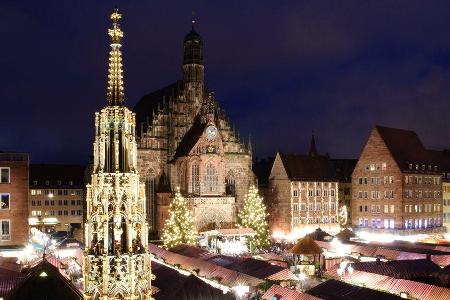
281,69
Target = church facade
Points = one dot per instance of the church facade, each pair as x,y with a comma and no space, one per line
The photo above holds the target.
185,140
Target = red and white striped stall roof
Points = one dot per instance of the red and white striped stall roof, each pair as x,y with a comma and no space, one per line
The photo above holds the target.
286,294
417,290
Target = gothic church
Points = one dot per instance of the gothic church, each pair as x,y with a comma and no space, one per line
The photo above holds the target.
185,140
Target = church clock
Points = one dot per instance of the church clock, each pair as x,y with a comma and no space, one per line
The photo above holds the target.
211,132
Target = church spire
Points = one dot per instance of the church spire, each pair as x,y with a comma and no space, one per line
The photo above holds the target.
115,93
312,146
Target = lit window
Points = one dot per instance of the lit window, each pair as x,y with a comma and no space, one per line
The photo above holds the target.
4,201
211,179
5,235
195,178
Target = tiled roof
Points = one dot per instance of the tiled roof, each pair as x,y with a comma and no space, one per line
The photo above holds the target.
305,167
56,287
246,265
173,285
405,269
150,102
405,146
338,290
416,290
205,269
191,137
282,293
54,173
389,252
8,284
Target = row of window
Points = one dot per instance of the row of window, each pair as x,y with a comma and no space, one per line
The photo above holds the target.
47,182
312,207
376,208
422,194
422,167
409,224
4,175
55,192
37,213
446,217
418,208
317,220
375,180
376,167
375,194
53,202
422,223
422,180
446,201
316,193
377,223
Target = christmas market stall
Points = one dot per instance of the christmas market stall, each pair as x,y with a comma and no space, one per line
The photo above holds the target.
306,254
227,241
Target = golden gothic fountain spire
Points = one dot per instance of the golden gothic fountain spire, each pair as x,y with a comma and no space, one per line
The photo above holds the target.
115,94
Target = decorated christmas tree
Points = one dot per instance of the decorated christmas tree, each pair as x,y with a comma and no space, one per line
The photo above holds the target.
254,216
179,227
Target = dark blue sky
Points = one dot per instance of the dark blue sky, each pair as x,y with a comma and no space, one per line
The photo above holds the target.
279,68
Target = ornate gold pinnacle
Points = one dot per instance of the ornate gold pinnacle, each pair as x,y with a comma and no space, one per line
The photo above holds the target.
115,93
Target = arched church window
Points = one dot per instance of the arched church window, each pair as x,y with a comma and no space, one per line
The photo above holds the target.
150,197
211,179
195,178
230,184
182,176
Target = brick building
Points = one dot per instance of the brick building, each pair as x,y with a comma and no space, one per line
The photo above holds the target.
14,199
396,185
185,140
56,197
443,160
303,193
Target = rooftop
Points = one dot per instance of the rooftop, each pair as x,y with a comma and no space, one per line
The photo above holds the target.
56,176
306,167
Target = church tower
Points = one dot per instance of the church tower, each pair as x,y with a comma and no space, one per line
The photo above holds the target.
193,69
116,259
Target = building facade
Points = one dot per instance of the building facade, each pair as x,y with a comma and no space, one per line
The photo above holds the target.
116,259
14,199
303,194
185,140
396,185
446,204
56,198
